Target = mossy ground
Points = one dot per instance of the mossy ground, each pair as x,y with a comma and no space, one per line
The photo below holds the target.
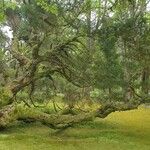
120,131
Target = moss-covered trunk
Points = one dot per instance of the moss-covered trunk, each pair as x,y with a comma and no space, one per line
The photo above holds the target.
12,113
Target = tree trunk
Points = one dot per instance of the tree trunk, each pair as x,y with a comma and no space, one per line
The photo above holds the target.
145,81
12,113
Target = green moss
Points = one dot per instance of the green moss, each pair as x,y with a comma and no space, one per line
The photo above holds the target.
5,95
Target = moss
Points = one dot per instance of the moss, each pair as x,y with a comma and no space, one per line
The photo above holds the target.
5,95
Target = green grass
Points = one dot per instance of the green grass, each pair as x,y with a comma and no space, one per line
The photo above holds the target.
120,131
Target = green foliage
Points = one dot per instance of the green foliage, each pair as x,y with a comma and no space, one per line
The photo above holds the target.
3,6
5,95
1,54
47,6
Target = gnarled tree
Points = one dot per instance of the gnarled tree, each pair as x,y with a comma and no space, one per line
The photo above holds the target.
53,37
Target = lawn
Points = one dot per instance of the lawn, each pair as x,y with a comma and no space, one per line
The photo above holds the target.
128,130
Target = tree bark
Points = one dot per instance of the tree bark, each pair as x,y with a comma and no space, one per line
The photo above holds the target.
145,81
12,113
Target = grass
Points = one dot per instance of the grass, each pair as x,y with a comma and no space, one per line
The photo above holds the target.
120,131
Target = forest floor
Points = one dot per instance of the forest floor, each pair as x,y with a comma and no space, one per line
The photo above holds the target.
119,131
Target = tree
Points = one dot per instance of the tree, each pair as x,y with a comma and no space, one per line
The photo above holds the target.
55,38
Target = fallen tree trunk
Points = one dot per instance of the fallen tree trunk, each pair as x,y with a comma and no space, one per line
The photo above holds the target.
12,113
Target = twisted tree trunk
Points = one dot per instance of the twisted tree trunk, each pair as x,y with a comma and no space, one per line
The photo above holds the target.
12,113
